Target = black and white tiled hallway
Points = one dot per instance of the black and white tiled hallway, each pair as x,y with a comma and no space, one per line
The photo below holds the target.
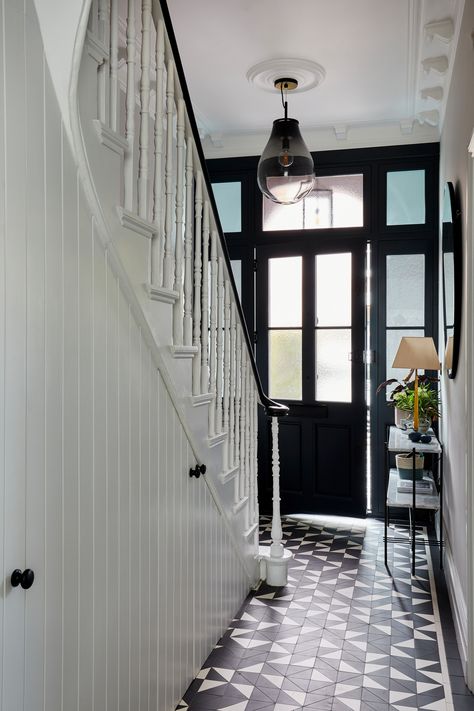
341,635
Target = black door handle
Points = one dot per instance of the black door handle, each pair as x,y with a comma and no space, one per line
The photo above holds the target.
25,578
198,470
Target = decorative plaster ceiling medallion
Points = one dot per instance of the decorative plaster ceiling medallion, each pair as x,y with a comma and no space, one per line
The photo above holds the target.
308,74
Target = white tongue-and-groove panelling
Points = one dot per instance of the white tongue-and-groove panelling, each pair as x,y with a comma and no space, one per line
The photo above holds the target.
136,574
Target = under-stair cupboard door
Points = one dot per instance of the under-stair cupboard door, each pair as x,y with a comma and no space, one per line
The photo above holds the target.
22,392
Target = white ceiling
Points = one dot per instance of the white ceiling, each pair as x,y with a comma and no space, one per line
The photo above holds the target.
371,50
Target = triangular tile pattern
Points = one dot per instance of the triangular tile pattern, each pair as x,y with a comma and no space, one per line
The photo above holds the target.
342,634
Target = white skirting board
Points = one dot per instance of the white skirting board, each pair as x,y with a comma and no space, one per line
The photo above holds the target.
458,604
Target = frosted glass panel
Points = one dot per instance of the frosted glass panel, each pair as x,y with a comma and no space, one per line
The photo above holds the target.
393,341
333,289
406,197
333,365
406,290
236,265
284,357
336,201
229,205
284,298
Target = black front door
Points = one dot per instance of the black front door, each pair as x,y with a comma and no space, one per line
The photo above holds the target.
310,341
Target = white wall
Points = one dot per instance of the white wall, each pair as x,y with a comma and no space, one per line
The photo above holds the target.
457,131
136,576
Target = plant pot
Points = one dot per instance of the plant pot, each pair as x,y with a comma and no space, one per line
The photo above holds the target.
424,425
404,463
401,416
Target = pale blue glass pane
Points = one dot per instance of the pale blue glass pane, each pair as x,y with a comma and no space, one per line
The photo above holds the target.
393,341
285,368
285,291
236,265
229,205
333,365
406,290
333,289
406,197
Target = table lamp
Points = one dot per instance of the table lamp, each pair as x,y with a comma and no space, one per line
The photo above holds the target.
416,353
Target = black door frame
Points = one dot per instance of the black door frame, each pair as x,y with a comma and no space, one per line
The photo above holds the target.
374,164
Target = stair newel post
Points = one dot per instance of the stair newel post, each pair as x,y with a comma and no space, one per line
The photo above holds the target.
226,372
243,423
143,147
157,247
220,344
252,482
205,302
213,306
103,71
168,267
238,392
255,457
247,442
178,308
188,245
197,284
276,549
114,42
128,166
232,357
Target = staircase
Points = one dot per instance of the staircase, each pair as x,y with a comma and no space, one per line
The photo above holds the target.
144,174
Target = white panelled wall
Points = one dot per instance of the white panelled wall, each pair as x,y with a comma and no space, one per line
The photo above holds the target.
136,575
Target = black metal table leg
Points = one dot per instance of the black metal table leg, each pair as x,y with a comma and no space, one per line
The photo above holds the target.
413,521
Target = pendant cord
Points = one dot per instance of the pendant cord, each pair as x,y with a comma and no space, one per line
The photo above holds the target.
284,103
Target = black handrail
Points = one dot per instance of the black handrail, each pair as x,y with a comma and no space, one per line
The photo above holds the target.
272,408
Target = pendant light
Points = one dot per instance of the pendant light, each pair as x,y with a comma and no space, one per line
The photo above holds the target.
285,172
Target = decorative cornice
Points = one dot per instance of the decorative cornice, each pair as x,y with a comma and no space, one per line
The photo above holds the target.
442,30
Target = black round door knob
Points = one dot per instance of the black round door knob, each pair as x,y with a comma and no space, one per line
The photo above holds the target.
25,578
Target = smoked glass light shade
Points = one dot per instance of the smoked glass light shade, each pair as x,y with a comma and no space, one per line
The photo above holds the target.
285,172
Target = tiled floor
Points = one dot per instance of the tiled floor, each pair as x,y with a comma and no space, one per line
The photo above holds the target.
342,634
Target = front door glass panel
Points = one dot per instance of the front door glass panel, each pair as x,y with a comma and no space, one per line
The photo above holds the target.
333,327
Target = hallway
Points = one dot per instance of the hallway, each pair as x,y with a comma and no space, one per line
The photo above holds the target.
341,635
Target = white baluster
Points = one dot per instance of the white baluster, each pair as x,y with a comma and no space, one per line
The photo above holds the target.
226,372
130,107
144,111
103,72
168,268
213,335
238,391
205,302
220,344
114,41
94,18
188,245
276,549
157,247
251,450
233,348
197,285
178,308
243,423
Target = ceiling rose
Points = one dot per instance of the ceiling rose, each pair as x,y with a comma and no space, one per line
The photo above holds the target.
307,73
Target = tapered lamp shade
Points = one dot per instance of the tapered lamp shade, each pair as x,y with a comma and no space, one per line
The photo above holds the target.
417,352
285,172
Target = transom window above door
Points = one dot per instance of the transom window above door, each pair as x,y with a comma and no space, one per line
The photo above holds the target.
335,201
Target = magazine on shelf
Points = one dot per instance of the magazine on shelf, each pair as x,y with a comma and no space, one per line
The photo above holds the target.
422,486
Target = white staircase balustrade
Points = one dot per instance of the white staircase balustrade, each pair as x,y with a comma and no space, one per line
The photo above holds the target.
170,241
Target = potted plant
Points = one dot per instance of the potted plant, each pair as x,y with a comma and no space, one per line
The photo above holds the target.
402,398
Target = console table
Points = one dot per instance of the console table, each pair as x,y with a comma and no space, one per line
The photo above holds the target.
398,442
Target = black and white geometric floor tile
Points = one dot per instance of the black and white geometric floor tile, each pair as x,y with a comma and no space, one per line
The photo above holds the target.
341,635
